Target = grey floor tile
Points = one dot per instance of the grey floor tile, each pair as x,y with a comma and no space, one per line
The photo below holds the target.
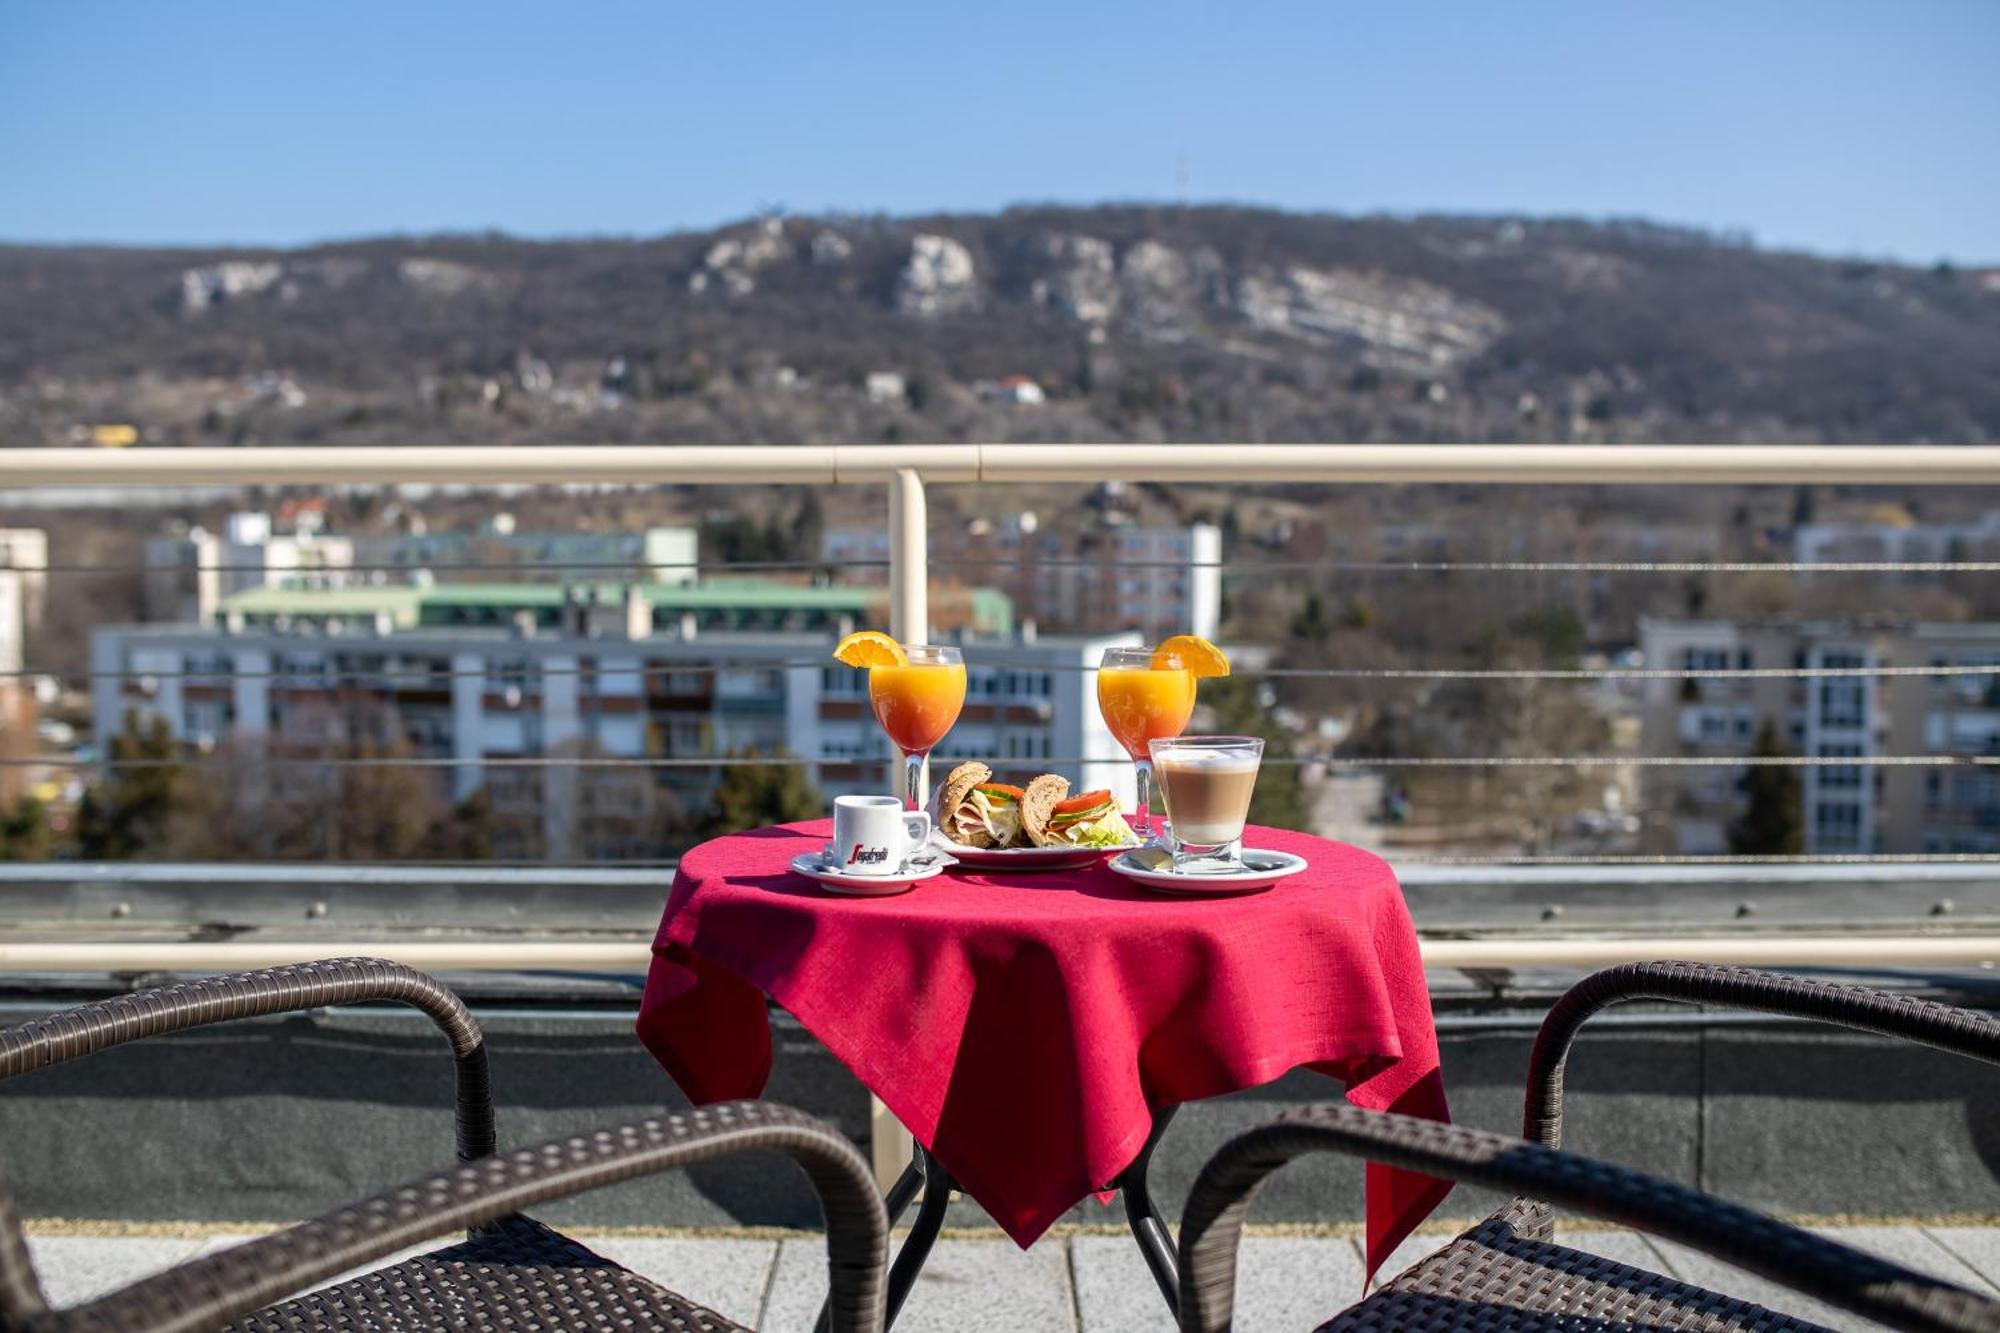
1114,1291
728,1276
76,1268
1281,1282
1412,1250
1699,1269
968,1285
1977,1246
1914,1249
1295,1282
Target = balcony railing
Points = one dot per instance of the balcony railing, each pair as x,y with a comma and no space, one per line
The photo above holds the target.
905,470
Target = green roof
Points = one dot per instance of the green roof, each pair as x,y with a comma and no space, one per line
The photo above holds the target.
411,605
758,594
401,603
491,594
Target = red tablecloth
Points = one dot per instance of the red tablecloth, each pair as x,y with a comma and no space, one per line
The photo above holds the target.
1026,1028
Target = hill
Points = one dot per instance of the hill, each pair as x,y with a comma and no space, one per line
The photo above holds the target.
1037,323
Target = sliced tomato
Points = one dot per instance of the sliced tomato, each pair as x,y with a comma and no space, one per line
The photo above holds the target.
1076,805
1001,789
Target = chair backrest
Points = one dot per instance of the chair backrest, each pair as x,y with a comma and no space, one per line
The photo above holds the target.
1942,1026
89,1028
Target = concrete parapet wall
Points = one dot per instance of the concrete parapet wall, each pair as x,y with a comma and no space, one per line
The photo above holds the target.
274,1119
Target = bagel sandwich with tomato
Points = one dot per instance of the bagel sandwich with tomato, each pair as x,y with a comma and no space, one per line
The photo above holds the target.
975,811
1052,817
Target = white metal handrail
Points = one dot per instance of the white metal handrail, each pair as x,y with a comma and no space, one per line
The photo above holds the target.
842,464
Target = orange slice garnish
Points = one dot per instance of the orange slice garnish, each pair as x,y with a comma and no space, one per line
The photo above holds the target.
1200,658
870,648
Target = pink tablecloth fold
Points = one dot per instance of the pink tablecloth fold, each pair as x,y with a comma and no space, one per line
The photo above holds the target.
1027,1028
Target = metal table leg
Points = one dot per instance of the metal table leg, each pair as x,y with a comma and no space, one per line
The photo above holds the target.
923,1170
1148,1227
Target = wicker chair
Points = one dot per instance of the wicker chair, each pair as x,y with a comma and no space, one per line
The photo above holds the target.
510,1272
1508,1274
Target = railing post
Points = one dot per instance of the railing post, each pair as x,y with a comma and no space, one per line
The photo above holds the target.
909,577
909,572
909,622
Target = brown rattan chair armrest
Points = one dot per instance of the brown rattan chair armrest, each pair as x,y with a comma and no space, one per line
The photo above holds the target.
1212,1225
1942,1026
89,1028
203,1293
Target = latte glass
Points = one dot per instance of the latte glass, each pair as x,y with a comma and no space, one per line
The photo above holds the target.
1206,783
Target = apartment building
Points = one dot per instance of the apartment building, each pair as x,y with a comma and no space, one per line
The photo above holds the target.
1845,809
24,558
636,610
190,575
1156,581
751,678
1896,539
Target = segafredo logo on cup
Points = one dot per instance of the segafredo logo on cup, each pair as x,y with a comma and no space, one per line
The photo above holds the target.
867,856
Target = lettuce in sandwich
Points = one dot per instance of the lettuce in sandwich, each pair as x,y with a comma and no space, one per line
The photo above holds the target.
1089,820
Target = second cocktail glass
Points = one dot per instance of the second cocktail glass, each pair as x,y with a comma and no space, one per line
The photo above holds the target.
1145,695
916,703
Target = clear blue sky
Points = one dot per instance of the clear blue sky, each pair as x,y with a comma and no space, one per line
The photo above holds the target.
1843,127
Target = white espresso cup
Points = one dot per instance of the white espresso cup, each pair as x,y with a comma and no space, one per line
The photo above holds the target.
874,835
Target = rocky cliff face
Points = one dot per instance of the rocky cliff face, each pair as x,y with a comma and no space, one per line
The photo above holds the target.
1131,322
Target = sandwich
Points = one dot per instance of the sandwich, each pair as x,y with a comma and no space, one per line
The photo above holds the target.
975,811
1054,818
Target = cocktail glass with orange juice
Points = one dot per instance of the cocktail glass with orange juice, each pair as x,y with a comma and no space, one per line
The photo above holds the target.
916,690
1147,694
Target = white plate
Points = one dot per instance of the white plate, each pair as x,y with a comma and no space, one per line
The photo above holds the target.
1260,870
814,867
1020,858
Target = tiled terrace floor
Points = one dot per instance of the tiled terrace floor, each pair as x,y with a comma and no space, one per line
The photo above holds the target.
1078,1284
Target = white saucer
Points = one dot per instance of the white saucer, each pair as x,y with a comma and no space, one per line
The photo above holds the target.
1260,870
1019,858
813,865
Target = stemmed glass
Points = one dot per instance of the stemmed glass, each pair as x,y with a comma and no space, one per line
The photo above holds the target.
916,703
1145,695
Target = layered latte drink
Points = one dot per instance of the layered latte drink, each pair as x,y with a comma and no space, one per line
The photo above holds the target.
1206,783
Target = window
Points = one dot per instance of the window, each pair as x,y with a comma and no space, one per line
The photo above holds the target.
1716,726
303,669
1843,700
1837,825
1706,659
1841,775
